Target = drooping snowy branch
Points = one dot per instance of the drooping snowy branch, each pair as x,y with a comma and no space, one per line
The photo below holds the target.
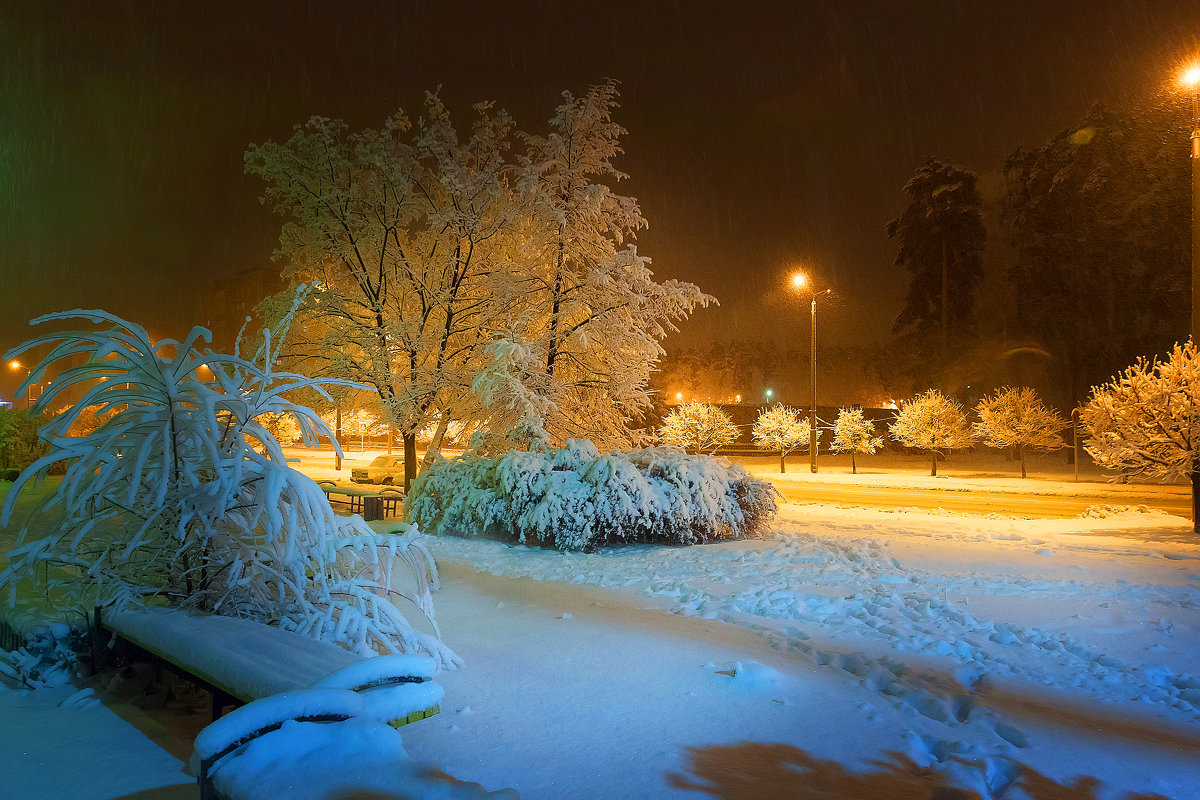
182,492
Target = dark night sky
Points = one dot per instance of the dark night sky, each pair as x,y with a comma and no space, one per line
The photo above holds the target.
762,135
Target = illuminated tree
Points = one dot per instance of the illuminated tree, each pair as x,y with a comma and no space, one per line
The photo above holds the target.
403,232
781,428
429,250
1017,417
591,310
854,433
931,421
698,427
1146,420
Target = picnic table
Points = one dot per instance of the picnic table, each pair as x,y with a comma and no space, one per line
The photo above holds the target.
370,504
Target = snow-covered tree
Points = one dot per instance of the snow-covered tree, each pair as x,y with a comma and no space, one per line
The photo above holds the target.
588,301
1146,421
781,428
282,426
1016,417
698,427
182,493
403,231
931,421
430,248
854,433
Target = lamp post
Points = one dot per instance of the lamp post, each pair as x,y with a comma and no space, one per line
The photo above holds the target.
18,365
800,283
1191,79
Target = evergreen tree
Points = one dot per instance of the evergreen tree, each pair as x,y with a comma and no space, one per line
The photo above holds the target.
940,238
1098,217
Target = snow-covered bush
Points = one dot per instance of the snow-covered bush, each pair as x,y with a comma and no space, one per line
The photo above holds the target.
699,427
781,428
1016,417
1146,421
854,433
183,494
931,421
576,498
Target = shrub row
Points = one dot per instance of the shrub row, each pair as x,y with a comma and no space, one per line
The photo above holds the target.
577,499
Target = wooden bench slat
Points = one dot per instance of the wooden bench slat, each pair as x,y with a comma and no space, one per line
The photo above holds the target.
246,659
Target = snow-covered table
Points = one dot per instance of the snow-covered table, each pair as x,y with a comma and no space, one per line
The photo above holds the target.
239,660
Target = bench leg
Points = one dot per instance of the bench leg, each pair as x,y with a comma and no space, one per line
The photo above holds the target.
219,701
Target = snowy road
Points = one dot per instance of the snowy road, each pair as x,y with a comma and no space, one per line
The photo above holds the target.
975,501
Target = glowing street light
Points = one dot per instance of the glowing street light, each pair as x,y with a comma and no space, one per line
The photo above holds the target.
800,282
1190,79
14,364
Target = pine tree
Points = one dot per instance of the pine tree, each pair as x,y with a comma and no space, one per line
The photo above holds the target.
698,427
854,433
1146,421
1017,417
940,237
781,428
931,421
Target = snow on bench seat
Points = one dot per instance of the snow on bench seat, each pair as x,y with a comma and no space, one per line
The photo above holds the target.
246,659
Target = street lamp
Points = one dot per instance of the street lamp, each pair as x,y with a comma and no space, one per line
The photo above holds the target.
1190,78
14,364
800,283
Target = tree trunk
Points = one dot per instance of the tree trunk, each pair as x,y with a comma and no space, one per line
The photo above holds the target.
782,455
337,440
933,471
1021,458
945,298
1195,495
853,467
435,444
410,458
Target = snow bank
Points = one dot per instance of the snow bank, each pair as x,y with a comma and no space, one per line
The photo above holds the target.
577,499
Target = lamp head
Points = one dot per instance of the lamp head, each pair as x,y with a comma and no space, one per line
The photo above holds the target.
799,280
1190,77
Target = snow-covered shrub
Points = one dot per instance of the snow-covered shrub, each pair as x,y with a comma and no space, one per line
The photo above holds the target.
1017,417
1146,421
781,428
47,657
575,498
931,421
854,433
182,493
699,427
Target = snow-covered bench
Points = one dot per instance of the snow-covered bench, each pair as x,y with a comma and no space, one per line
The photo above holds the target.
238,661
317,743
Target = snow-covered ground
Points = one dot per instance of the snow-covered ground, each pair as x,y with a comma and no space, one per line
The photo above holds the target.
859,653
